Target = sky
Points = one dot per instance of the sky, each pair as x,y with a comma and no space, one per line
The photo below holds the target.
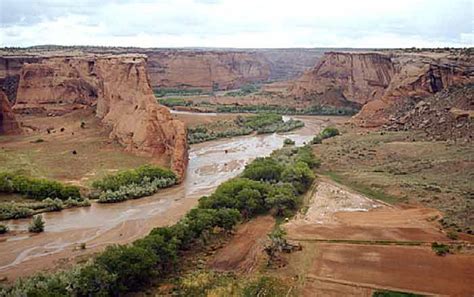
238,23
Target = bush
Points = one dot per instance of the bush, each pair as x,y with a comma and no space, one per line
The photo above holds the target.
245,195
288,141
299,175
263,169
440,249
329,132
13,211
134,176
36,188
37,224
133,191
132,265
53,205
283,199
3,229
317,140
92,280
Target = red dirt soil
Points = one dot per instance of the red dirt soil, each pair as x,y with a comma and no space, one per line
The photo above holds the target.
416,269
245,250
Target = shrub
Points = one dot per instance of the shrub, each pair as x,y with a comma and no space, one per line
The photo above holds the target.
317,140
3,229
53,205
283,199
264,169
440,249
245,195
453,235
37,224
36,188
134,176
329,132
132,265
13,211
133,191
299,175
288,141
92,280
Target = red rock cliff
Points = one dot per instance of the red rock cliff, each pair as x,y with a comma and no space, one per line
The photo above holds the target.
206,69
360,77
382,81
8,123
119,88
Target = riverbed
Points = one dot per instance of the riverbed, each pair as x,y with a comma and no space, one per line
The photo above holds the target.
210,163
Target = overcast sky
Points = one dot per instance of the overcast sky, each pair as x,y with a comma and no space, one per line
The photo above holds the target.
238,23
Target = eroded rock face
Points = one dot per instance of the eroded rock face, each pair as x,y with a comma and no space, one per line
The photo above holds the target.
206,70
383,82
8,123
359,77
119,88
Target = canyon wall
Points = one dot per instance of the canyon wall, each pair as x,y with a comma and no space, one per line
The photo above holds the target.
8,122
381,81
209,70
221,69
118,87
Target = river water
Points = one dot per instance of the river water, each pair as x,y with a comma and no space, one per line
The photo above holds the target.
99,225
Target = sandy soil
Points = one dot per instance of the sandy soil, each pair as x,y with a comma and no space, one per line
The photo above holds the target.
245,251
353,245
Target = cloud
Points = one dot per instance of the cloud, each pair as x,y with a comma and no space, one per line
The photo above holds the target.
243,23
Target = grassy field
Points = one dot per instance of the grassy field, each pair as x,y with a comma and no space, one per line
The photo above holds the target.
50,155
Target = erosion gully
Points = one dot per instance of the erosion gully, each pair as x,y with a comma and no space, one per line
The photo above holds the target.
210,163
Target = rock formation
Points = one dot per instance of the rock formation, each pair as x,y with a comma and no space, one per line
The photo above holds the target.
359,77
208,70
118,87
8,123
382,81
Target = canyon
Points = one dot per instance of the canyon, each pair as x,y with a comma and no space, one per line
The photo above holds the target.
76,114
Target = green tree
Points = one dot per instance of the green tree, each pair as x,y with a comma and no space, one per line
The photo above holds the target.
132,265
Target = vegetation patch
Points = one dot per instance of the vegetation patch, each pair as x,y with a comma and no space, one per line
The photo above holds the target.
394,294
325,134
36,188
16,210
161,92
440,249
244,91
209,283
134,183
261,124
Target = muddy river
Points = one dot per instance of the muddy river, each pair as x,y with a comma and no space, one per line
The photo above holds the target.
210,163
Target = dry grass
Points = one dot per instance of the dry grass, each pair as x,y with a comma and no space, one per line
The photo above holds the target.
399,167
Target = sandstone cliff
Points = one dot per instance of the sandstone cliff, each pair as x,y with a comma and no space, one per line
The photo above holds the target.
8,123
118,87
207,70
381,81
